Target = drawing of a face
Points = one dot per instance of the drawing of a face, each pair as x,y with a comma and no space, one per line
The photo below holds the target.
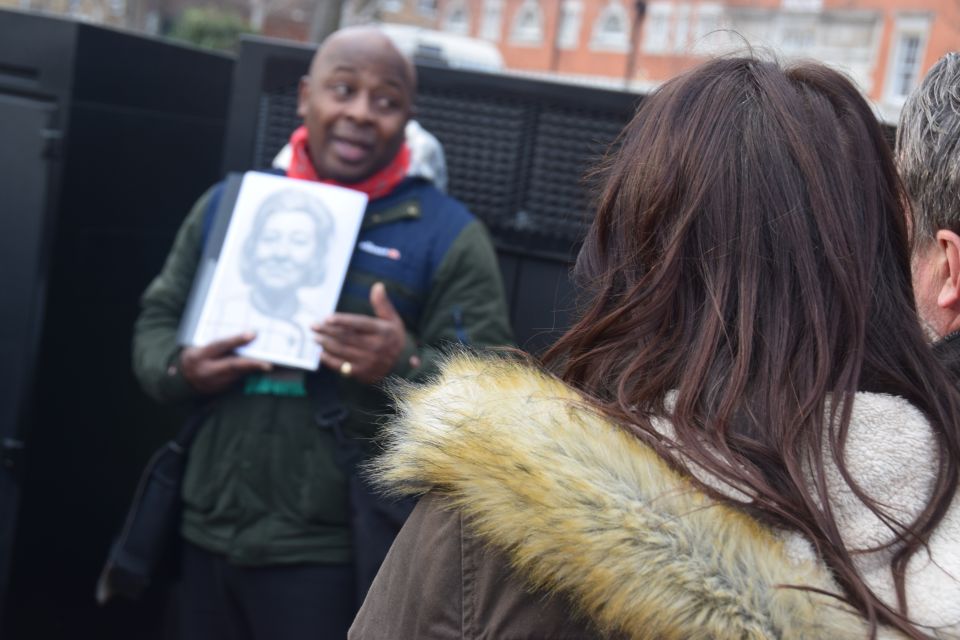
286,249
284,252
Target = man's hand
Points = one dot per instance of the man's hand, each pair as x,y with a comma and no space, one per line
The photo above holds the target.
372,346
215,367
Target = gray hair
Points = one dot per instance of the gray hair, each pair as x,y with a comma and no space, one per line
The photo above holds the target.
928,151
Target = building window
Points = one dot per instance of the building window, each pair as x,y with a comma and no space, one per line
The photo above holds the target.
528,24
568,33
708,34
611,31
118,7
802,5
681,28
903,71
492,19
458,19
392,6
427,7
656,29
906,65
797,40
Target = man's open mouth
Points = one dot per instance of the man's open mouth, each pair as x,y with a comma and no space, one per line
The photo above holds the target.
351,151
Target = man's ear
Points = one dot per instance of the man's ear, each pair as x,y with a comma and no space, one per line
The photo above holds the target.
303,96
948,244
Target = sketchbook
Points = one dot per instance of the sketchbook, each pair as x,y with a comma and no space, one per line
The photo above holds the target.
275,255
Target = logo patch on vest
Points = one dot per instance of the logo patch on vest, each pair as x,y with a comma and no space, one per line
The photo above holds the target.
377,250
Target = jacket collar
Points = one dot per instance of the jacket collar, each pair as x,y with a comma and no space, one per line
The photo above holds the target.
583,508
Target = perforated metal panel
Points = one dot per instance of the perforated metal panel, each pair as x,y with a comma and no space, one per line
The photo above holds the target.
484,143
277,117
567,143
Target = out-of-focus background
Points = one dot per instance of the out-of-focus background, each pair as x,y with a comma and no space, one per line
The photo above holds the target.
116,114
885,45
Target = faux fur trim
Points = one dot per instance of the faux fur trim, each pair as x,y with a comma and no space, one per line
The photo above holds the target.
583,508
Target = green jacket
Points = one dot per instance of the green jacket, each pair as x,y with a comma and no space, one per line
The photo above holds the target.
261,484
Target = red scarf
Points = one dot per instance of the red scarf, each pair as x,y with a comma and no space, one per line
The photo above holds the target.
376,186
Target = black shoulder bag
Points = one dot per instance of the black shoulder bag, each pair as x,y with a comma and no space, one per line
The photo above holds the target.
151,529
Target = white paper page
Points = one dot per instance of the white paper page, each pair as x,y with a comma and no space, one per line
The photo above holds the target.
282,266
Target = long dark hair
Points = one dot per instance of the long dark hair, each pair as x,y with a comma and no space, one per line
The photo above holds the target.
749,253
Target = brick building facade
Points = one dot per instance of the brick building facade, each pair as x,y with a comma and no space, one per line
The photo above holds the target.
884,45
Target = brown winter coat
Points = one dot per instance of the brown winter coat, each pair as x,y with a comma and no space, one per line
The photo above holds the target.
441,582
542,519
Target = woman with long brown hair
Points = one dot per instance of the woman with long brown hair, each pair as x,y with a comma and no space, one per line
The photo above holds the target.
745,435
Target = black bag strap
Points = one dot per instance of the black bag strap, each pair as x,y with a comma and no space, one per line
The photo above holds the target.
375,520
184,438
329,413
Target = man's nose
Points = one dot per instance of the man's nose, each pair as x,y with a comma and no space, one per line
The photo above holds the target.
359,108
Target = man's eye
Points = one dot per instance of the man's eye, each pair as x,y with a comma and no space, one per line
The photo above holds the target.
341,90
386,104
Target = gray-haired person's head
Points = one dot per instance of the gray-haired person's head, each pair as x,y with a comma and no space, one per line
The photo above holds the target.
287,245
928,151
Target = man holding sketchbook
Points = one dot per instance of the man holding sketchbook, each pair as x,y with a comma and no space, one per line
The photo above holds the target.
270,498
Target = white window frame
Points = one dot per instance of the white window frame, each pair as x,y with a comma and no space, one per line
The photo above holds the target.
427,8
454,8
656,28
491,22
802,5
391,6
906,26
708,34
601,41
681,28
798,24
570,24
527,36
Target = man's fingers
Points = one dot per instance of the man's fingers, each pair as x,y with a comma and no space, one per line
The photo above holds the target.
226,345
248,365
382,307
345,335
238,366
349,322
344,351
330,361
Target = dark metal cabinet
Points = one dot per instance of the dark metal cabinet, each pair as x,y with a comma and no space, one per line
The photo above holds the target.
106,138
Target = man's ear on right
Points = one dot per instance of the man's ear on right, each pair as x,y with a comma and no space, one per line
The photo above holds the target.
948,243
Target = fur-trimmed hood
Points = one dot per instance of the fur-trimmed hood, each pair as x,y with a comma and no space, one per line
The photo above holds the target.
582,508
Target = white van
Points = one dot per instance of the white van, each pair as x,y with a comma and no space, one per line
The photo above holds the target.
437,47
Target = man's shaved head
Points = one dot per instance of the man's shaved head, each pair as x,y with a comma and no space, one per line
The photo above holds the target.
366,41
355,103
